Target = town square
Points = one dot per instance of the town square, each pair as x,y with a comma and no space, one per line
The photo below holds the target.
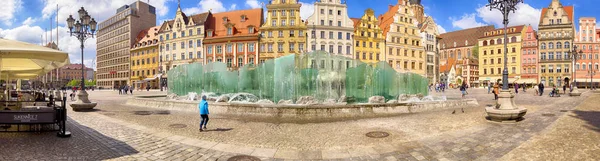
246,80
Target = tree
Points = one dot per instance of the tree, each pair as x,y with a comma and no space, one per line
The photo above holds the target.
74,83
475,51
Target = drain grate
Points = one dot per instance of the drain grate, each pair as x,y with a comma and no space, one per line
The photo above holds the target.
548,114
243,158
142,112
178,126
108,113
377,134
564,110
162,112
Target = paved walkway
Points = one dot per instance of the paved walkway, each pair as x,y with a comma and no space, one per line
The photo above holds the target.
114,132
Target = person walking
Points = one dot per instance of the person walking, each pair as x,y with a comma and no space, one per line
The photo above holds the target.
524,86
496,92
463,89
516,88
565,89
203,108
541,88
489,87
131,89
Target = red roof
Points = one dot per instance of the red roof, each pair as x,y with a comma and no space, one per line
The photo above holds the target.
239,20
387,18
74,66
568,9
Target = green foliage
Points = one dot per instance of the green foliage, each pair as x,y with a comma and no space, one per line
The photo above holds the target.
77,83
475,51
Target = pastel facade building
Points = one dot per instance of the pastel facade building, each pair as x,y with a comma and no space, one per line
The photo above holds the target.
330,29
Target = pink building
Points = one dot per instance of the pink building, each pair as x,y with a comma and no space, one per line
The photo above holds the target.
587,41
529,55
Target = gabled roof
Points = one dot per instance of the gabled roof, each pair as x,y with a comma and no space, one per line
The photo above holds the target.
446,67
470,35
217,22
568,10
197,18
387,18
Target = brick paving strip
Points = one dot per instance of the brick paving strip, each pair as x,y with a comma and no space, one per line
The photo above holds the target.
120,140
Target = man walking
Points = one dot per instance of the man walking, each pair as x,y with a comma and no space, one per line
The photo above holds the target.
203,108
541,88
489,87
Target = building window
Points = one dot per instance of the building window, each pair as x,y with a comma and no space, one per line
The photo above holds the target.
182,33
229,62
198,54
191,44
292,22
292,32
229,48
347,36
182,45
280,47
301,47
191,55
280,34
274,23
198,43
182,57
292,46
283,23
270,47
240,47
219,49
339,35
209,50
229,31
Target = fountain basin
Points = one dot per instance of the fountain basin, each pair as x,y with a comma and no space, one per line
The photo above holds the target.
303,112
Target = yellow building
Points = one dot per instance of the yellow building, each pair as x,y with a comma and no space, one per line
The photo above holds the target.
368,37
283,32
144,63
404,49
491,55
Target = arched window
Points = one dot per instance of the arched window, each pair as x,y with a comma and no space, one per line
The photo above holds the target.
499,41
550,45
558,45
577,66
513,39
485,42
452,54
583,66
590,66
491,61
543,45
468,52
459,54
596,66
567,45
583,46
499,60
492,42
484,61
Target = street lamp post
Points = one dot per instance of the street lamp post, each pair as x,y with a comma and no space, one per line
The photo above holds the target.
82,29
505,109
574,90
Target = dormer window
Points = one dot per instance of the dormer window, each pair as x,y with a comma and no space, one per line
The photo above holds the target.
243,18
224,19
210,34
229,31
251,30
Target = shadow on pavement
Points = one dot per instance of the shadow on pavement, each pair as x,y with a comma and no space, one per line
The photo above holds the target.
219,129
84,144
591,117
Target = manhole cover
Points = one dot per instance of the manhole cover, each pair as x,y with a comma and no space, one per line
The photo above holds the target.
548,114
179,126
564,110
164,112
243,158
142,112
378,134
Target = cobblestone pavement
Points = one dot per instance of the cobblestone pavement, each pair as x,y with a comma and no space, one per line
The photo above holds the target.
113,132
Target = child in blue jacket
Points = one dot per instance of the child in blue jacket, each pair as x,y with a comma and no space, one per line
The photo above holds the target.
203,108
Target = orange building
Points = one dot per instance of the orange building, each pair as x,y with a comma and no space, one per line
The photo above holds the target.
232,37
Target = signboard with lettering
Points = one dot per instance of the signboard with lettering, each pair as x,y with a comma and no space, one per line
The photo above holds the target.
27,117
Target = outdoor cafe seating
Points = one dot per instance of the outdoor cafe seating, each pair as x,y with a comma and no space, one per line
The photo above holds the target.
30,111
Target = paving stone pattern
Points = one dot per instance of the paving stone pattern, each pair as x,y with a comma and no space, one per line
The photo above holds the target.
100,137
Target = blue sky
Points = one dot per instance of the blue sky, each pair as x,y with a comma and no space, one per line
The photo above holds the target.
27,20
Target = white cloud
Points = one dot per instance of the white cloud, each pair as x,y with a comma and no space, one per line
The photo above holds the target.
233,7
306,10
8,10
465,22
205,5
441,29
69,44
253,4
524,15
28,21
98,9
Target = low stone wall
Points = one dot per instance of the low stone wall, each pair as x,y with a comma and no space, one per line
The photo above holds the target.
304,111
